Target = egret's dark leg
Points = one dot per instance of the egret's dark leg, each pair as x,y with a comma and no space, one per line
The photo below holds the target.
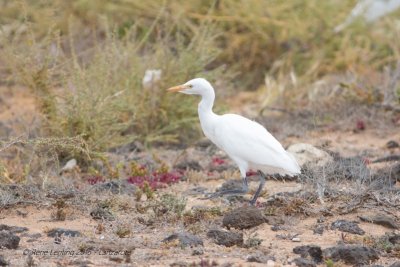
260,187
239,191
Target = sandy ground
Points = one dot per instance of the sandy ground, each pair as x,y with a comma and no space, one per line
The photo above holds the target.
146,240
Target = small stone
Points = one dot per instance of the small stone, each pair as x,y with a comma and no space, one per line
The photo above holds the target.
243,218
185,239
347,226
392,144
101,213
197,251
381,219
319,229
308,155
69,166
312,251
274,220
260,257
226,238
8,240
57,232
3,261
32,237
396,264
13,229
116,187
302,262
296,239
394,238
351,254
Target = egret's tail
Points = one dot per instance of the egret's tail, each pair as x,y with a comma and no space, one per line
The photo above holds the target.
294,167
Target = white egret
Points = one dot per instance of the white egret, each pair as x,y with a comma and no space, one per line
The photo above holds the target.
246,142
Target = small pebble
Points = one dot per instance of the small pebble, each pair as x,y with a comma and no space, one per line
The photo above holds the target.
296,239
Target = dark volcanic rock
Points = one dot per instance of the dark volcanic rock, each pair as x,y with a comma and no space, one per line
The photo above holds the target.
102,213
347,226
3,261
302,262
356,255
274,220
197,252
13,229
381,219
116,187
392,144
225,238
259,257
188,165
243,218
185,239
8,240
319,229
312,251
56,232
394,238
230,185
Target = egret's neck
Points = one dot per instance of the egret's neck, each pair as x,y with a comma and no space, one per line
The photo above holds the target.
206,114
207,102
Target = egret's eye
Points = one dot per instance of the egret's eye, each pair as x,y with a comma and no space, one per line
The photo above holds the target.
190,86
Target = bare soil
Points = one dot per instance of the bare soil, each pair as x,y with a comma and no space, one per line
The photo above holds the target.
102,244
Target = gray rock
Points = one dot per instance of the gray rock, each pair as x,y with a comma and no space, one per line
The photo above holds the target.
13,229
225,238
243,218
185,239
392,144
381,219
116,187
309,251
197,251
319,229
310,156
230,185
394,238
396,264
351,254
260,257
302,262
8,240
102,213
3,261
32,237
347,226
57,232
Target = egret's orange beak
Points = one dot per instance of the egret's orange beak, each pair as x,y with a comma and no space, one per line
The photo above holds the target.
177,88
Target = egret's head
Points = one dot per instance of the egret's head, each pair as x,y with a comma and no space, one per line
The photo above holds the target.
198,86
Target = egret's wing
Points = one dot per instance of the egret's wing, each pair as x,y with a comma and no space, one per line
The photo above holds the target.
247,140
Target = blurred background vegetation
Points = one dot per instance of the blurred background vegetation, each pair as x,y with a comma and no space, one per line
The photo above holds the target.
84,60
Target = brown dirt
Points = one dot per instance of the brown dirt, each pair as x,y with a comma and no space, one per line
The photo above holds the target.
146,239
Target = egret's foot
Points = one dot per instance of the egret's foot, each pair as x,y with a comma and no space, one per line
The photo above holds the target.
259,189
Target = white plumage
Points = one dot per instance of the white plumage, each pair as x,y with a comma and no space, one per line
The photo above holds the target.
246,142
